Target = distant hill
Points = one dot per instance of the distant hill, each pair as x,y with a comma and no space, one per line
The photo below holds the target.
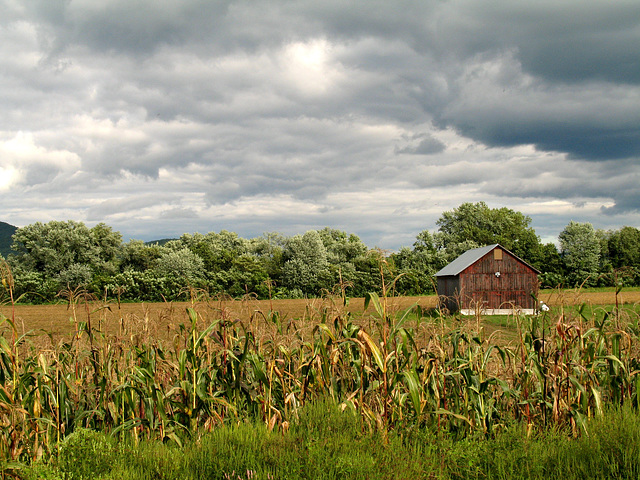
6,232
160,242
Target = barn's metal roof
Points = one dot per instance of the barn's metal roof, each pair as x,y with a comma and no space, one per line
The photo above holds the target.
463,261
470,257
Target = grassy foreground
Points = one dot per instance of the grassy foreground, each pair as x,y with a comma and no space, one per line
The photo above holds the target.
327,443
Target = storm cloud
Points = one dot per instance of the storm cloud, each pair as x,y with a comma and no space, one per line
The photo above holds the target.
373,117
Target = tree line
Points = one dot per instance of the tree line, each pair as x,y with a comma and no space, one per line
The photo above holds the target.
64,256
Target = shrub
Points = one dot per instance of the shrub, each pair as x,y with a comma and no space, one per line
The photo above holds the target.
86,454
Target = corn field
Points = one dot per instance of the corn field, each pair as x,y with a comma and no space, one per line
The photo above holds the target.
397,369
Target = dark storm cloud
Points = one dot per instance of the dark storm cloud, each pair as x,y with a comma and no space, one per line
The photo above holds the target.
570,41
627,202
577,42
136,28
562,58
499,105
422,144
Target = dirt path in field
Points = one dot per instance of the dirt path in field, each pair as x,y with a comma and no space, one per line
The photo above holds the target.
159,317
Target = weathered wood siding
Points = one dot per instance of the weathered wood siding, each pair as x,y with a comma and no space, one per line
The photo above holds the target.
449,291
480,286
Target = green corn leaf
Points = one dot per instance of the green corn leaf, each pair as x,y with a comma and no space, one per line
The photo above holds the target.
4,345
598,399
325,328
373,297
577,384
375,351
442,411
614,359
123,427
405,315
204,333
175,438
486,357
413,384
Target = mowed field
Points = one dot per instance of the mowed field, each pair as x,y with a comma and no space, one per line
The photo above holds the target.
158,318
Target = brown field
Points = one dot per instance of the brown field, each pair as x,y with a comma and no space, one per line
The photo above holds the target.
157,318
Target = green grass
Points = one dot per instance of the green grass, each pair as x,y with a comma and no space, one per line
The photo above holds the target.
590,290
326,443
626,312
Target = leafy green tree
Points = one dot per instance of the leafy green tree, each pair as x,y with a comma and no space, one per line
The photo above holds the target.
341,247
580,249
454,250
108,242
139,256
234,265
248,276
413,270
306,264
425,242
217,250
53,247
622,254
480,225
34,287
69,252
269,250
183,264
370,269
551,264
76,275
624,247
343,252
416,267
141,286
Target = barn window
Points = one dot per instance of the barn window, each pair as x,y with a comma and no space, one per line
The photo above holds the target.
497,254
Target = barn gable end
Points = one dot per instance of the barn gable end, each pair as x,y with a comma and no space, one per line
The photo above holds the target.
490,279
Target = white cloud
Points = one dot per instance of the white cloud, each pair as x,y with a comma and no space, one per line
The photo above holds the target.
23,161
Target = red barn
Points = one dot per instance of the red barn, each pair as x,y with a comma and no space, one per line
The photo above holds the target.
491,279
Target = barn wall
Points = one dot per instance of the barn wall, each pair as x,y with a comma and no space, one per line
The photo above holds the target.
480,286
448,291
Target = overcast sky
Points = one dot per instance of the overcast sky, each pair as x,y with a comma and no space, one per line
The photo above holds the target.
166,117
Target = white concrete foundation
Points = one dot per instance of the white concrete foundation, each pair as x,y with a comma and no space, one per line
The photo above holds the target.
499,311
